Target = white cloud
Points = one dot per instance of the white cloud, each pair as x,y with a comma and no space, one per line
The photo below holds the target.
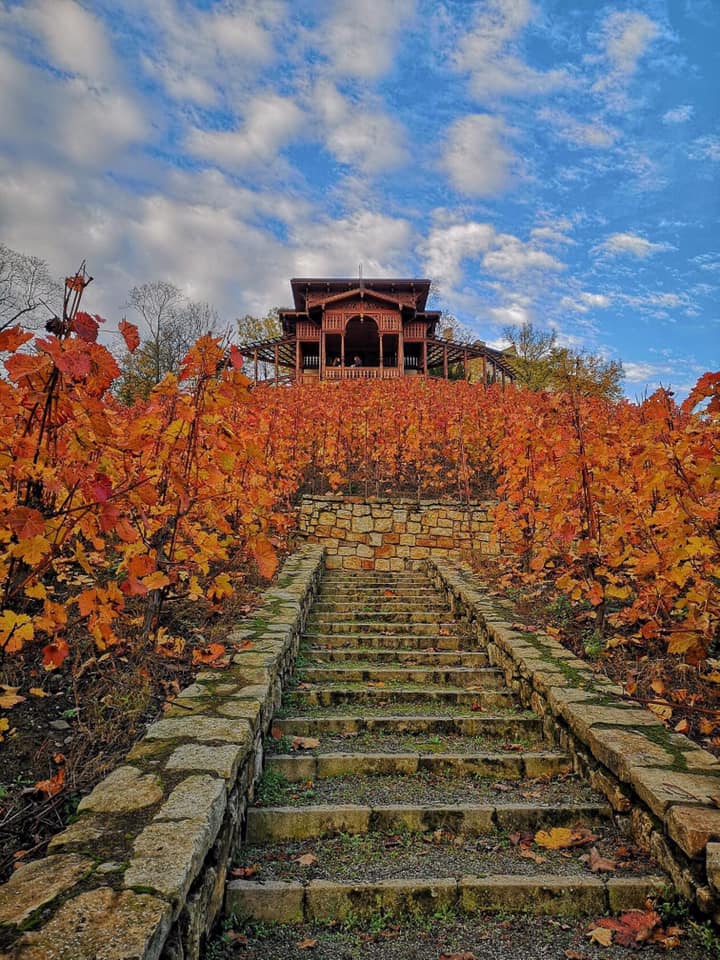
586,301
358,136
270,122
642,372
360,38
618,243
476,155
511,257
624,37
512,314
553,232
335,247
679,114
486,52
595,134
75,40
204,56
706,148
501,254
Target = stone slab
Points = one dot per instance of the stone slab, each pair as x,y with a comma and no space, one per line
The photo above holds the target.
224,761
202,729
197,796
692,828
101,925
124,790
167,857
38,883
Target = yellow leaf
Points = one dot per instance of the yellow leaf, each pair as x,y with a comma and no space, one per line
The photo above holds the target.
38,692
16,629
4,725
36,591
713,677
9,697
155,581
555,839
32,550
602,936
661,710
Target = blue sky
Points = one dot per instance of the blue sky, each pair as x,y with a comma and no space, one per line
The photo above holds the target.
552,161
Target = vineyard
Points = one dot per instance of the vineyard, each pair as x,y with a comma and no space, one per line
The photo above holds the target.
112,514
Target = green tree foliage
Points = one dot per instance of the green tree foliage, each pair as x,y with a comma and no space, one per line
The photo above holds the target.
170,323
540,364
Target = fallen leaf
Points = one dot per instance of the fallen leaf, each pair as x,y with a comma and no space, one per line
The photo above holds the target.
52,786
601,935
305,743
38,692
531,855
466,955
632,927
682,727
574,955
306,860
476,705
598,863
4,726
276,733
245,872
9,697
661,710
389,593
306,944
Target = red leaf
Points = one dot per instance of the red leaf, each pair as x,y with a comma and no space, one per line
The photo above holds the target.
21,365
236,358
54,785
54,654
130,335
26,522
13,338
101,488
86,327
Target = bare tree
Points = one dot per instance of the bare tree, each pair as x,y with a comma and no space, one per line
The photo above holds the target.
28,293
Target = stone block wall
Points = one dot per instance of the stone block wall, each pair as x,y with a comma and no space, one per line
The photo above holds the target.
140,874
394,534
661,783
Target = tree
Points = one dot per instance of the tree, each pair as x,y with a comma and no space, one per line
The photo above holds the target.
255,329
173,323
28,293
540,364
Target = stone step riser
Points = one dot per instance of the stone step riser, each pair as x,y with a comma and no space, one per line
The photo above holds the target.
324,901
282,824
508,766
503,728
337,641
327,697
418,658
357,595
383,611
383,619
426,628
479,679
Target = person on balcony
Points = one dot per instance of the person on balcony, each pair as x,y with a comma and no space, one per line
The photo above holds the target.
357,360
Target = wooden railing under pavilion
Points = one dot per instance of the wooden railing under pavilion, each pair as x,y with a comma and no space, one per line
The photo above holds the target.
361,373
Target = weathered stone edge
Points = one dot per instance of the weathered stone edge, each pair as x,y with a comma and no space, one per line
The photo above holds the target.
173,814
660,779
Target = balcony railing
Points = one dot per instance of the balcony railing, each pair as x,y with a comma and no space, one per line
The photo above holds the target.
361,373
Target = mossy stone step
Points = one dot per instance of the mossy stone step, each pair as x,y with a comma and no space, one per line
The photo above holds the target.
422,614
393,655
508,766
327,901
425,627
327,696
277,824
482,678
472,725
408,641
380,604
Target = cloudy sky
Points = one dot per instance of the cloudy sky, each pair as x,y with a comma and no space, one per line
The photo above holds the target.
554,161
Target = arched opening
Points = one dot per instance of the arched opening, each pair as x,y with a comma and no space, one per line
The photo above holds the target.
362,340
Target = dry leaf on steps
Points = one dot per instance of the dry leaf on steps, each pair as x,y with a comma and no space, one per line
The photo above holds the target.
306,860
305,743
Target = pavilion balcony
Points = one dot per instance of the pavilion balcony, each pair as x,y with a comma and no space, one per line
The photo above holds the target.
361,373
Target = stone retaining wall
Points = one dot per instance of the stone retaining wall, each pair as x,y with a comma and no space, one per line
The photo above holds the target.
140,874
393,535
664,784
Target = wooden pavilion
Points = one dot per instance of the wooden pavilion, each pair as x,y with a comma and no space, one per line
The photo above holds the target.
353,329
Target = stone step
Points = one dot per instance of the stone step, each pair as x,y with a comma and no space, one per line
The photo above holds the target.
422,614
532,764
483,678
361,597
424,628
327,901
374,576
381,656
327,696
410,641
471,725
273,824
392,604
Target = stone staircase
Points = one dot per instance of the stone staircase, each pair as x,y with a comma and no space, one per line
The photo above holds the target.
404,784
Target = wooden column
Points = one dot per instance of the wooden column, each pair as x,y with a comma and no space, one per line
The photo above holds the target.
255,362
298,353
342,349
425,366
381,353
445,362
401,353
484,369
277,364
321,372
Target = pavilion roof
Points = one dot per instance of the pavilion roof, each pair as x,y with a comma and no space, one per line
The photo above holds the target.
332,286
